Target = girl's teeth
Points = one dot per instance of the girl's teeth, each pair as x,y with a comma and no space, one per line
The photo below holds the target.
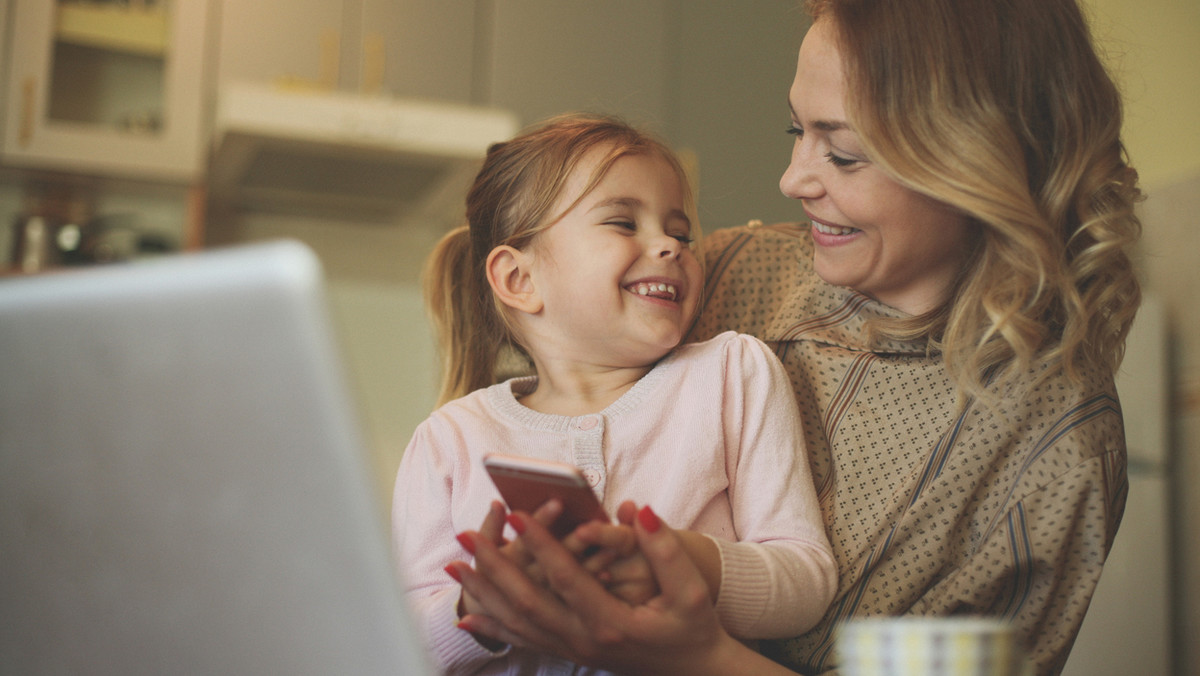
659,288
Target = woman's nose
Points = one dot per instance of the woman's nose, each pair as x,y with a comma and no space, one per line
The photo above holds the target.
800,180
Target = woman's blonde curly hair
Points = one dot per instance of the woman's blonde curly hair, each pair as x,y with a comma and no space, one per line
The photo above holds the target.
1003,109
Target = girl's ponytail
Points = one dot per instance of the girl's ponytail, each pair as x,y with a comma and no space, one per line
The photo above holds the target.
460,306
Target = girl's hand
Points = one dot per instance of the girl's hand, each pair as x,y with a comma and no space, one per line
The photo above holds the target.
610,553
576,618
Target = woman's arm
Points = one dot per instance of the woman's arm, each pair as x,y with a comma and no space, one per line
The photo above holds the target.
675,632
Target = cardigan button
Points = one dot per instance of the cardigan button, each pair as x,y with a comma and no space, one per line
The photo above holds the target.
588,423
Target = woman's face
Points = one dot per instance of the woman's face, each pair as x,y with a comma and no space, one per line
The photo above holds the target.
871,233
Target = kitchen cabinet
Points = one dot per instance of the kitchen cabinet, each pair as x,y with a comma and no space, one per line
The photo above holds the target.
408,48
112,88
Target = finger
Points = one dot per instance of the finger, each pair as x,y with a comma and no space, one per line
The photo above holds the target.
481,599
600,561
549,512
493,523
546,514
575,544
627,512
680,581
528,610
620,539
564,575
482,625
535,573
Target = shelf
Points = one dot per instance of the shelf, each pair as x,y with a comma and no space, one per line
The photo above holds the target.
326,151
133,30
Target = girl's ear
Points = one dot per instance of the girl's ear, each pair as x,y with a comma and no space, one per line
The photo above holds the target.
508,273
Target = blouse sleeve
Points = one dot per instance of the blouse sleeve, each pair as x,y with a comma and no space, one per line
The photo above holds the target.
1039,567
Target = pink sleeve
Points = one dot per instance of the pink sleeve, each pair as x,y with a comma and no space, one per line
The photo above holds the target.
780,577
423,541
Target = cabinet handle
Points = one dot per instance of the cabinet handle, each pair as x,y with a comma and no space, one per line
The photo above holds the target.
25,135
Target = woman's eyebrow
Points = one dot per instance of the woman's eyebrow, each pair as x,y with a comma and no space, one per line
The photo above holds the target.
821,125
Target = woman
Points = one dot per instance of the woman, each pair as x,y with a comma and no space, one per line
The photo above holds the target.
957,331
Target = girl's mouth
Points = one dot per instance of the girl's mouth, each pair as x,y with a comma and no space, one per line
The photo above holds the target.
655,290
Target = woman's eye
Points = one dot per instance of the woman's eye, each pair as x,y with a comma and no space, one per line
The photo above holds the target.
686,240
839,161
793,130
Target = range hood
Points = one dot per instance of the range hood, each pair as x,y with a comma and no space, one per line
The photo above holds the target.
347,155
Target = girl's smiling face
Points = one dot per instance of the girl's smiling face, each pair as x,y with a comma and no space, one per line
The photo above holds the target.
871,233
617,277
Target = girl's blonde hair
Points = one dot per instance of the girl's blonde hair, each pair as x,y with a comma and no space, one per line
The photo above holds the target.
509,204
1002,109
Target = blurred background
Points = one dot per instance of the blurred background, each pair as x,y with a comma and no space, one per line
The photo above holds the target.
134,128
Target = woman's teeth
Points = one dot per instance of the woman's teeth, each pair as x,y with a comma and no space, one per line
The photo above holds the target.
832,229
657,290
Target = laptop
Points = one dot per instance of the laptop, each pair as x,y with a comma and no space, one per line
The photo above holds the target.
183,488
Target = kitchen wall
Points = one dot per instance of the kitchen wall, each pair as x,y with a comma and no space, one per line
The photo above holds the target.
1152,47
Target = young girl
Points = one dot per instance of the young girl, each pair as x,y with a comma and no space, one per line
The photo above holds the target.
578,257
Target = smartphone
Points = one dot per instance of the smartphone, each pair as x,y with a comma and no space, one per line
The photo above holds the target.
527,483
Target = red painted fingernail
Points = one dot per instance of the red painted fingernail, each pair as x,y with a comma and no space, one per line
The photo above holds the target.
466,542
453,572
648,519
517,523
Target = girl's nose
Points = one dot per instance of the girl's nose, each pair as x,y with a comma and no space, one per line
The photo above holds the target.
669,247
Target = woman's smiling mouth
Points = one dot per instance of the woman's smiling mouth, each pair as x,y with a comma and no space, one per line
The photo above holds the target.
826,229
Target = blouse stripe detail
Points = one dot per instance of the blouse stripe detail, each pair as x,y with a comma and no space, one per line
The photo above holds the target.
1022,556
1098,405
840,315
847,392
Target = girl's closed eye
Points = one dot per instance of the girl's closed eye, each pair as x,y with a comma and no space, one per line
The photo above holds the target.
684,238
623,224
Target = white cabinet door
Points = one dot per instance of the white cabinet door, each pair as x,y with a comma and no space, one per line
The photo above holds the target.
407,48
107,88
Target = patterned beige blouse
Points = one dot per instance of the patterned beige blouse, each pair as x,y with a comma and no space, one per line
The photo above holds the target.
1006,511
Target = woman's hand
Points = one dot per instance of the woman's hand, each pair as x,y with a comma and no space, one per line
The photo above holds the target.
575,617
492,530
